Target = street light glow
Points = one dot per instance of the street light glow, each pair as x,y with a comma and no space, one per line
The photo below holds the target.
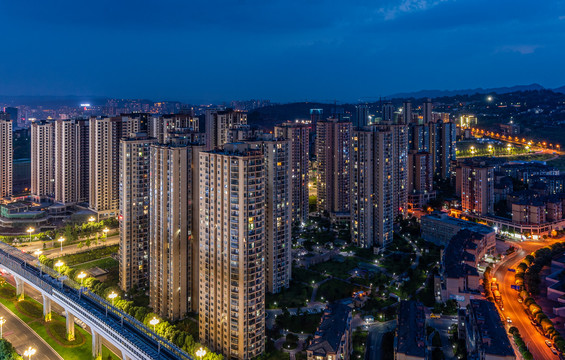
29,352
112,296
154,322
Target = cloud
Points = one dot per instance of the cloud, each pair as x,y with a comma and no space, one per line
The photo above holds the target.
409,6
521,49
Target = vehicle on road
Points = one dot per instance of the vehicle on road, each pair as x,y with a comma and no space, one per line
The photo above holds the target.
554,350
434,316
548,343
520,300
508,320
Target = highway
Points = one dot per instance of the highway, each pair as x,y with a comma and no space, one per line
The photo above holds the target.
373,351
513,309
22,336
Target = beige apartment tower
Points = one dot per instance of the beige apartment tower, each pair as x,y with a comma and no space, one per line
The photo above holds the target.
333,148
134,210
278,214
218,124
372,187
104,143
7,155
71,161
173,230
42,160
299,136
232,251
477,189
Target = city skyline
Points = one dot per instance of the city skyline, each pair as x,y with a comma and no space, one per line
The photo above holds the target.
282,51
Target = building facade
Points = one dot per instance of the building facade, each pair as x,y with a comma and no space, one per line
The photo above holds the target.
42,160
298,134
232,251
278,214
333,154
173,230
218,123
134,210
7,157
372,187
477,189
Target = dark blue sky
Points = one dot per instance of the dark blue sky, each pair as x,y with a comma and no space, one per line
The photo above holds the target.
285,50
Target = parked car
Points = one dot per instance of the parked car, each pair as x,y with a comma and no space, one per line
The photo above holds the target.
548,343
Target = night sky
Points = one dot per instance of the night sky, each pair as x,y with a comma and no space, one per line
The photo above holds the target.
283,50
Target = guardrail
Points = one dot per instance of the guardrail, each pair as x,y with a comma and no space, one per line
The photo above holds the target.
45,278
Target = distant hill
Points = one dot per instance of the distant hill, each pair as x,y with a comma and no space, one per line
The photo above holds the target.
439,93
560,89
52,101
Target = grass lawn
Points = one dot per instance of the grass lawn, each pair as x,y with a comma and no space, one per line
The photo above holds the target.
396,263
104,263
339,269
558,163
298,323
336,289
305,275
89,255
295,296
53,332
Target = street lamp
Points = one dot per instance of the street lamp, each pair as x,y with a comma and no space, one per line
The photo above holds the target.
112,296
154,322
2,322
58,265
81,276
30,351
200,353
61,239
106,232
37,252
30,231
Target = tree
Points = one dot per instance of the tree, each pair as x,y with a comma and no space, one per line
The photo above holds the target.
7,351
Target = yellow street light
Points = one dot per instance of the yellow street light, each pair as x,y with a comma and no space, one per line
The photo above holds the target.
58,265
91,219
30,231
30,351
112,296
37,252
81,276
154,322
201,353
106,230
61,239
2,322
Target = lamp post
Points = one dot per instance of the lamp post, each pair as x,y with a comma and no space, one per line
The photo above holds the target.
30,231
2,322
61,239
154,322
200,353
106,230
81,276
112,296
91,220
30,351
37,252
58,265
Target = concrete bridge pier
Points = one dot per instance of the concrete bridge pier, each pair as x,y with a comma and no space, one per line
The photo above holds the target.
96,345
19,287
70,326
46,308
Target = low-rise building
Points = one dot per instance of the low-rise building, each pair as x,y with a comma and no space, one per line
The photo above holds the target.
459,276
439,228
332,339
410,339
486,337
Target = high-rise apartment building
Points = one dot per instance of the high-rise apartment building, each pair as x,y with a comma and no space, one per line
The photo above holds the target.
298,134
420,172
407,112
7,155
218,123
42,160
427,108
388,113
232,251
333,147
71,161
361,115
399,166
278,214
134,210
372,187
477,188
161,127
443,142
173,229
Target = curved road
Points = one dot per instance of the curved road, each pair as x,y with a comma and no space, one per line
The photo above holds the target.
22,336
513,309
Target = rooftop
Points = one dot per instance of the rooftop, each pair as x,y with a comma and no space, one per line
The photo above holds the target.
456,253
492,332
411,333
334,324
464,224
